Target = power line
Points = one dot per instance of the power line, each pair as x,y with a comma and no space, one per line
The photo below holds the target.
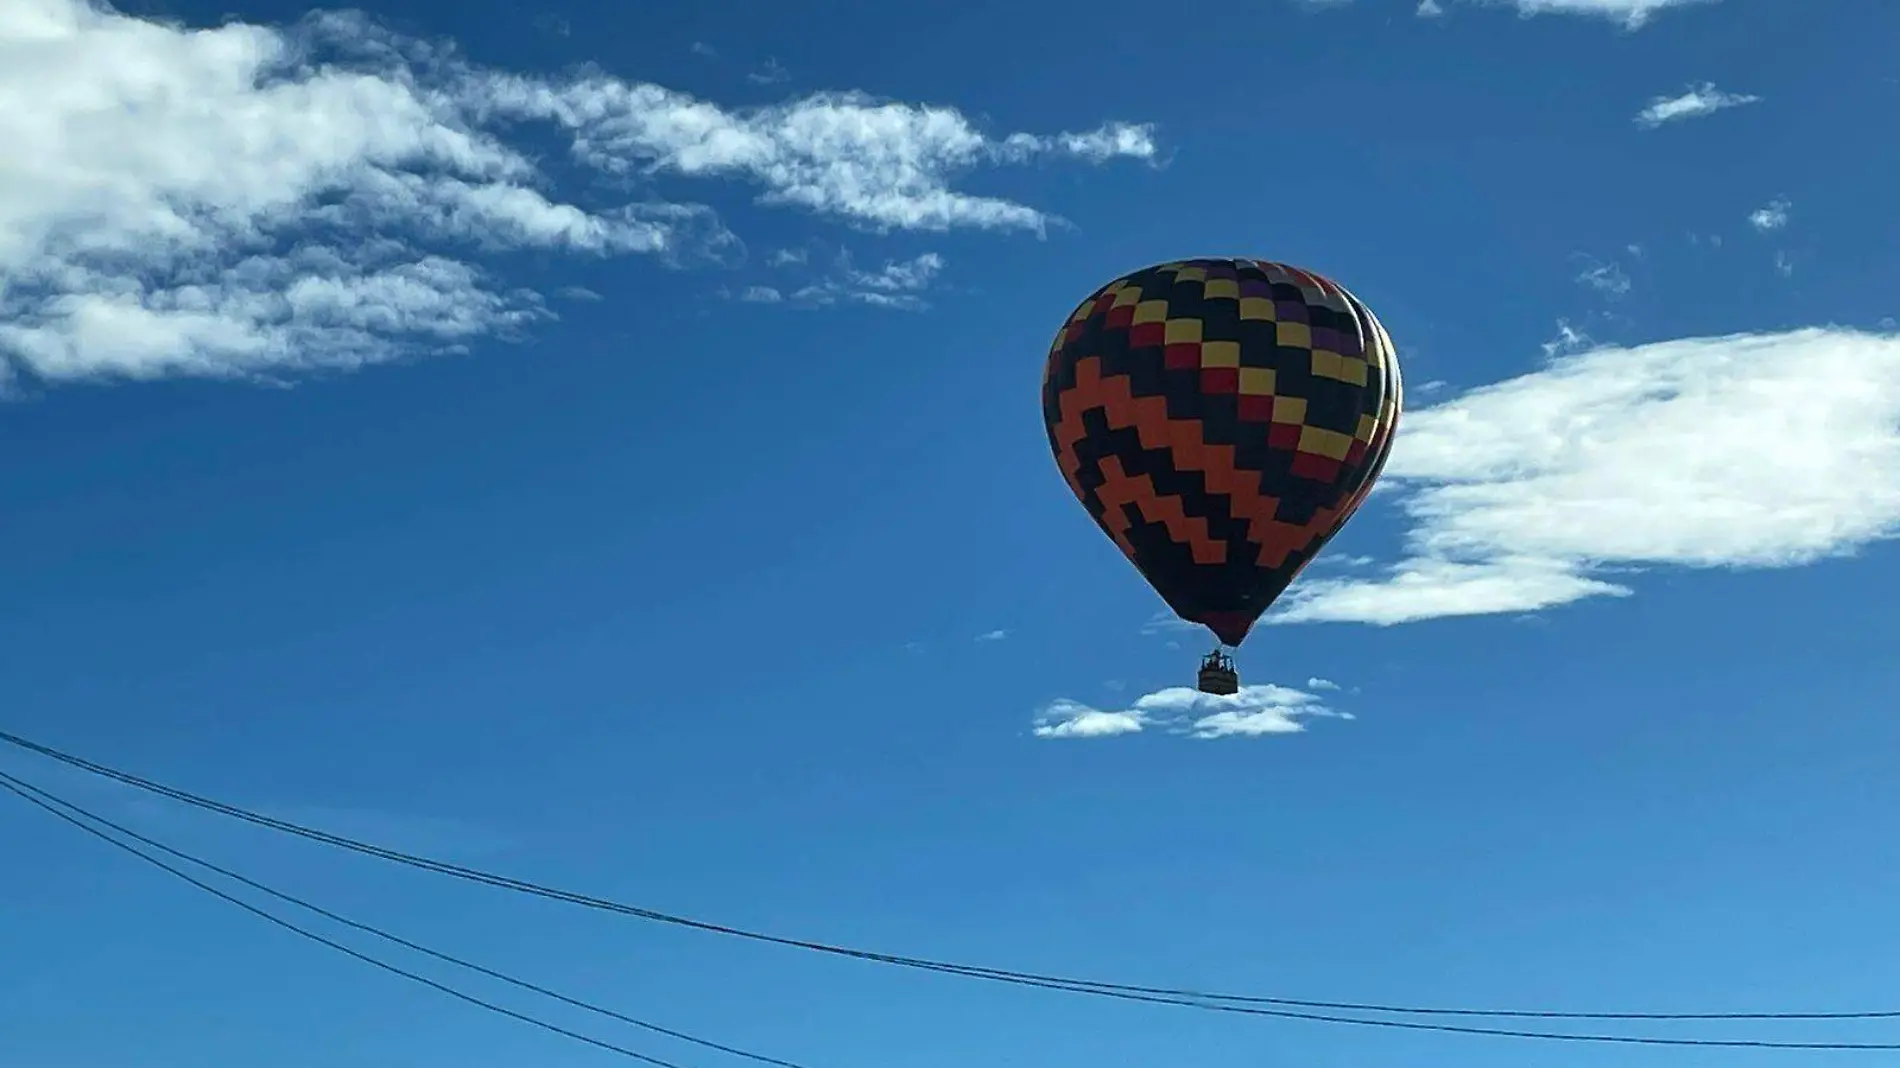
1231,1003
7,783
79,816
17,786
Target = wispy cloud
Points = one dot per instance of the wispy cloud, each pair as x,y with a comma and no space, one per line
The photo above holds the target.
1317,684
1693,103
1605,278
1770,216
251,200
992,635
1333,560
1253,712
1429,9
1166,622
1631,14
1569,339
1727,452
1072,719
897,284
772,73
882,164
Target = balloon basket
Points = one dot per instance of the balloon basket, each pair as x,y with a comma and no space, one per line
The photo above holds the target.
1218,676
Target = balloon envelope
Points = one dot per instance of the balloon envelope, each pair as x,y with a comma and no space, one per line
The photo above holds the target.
1221,419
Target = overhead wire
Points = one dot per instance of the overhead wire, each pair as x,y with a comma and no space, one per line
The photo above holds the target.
39,795
1253,1005
7,783
77,817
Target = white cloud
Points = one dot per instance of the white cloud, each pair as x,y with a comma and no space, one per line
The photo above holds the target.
1728,452
1166,622
761,295
1422,588
1783,265
1569,339
1429,9
1693,103
906,276
1333,559
1632,14
1106,142
1072,719
1771,216
1605,278
251,200
879,163
1321,684
992,636
1254,711
772,73
898,284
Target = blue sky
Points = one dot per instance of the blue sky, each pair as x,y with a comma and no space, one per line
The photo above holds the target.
603,444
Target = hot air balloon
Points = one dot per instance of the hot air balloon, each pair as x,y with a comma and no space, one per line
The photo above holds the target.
1221,420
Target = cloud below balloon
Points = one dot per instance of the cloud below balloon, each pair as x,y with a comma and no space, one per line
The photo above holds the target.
1253,712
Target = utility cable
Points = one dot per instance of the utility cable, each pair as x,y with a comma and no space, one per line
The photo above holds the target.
17,786
1231,1003
6,783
